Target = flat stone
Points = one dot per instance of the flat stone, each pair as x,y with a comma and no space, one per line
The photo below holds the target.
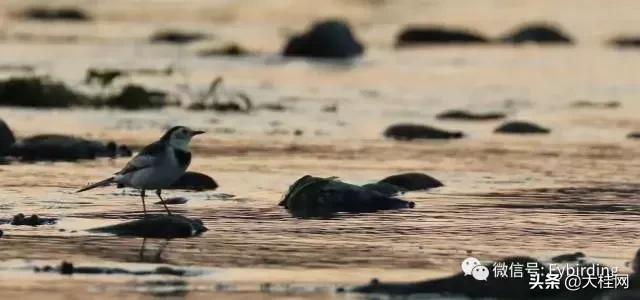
33,220
311,197
194,181
520,127
412,181
156,226
416,131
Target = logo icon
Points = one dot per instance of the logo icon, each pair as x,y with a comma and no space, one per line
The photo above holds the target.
468,265
480,273
471,266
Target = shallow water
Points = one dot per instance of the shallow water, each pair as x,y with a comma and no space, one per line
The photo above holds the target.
572,190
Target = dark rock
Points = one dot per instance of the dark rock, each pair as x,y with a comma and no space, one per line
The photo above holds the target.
103,77
384,188
67,268
412,181
326,39
123,151
635,263
54,147
322,197
493,287
158,226
177,37
414,131
569,257
626,42
37,92
195,181
225,50
537,33
330,108
56,14
519,127
633,135
469,116
24,68
591,104
7,139
167,70
174,201
623,295
34,220
273,106
1,233
137,97
426,35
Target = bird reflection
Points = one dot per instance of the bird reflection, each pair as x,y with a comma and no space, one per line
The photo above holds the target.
151,255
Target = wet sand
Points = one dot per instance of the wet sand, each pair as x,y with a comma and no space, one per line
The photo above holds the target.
575,189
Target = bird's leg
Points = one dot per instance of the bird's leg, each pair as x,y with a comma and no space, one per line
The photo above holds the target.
159,192
144,206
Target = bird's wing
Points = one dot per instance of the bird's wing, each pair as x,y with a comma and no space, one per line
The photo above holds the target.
145,159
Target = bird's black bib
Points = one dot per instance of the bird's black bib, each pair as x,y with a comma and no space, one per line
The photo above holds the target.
183,157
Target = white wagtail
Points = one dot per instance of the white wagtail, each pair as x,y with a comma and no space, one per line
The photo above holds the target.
157,166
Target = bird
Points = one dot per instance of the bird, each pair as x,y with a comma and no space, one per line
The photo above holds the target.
157,166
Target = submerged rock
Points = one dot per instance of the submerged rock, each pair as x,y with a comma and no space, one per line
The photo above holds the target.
469,116
425,35
415,131
67,268
56,14
7,139
38,92
137,97
633,135
591,104
386,189
225,50
493,287
33,220
326,39
635,263
626,42
104,77
177,37
569,257
537,33
157,226
520,127
54,147
195,181
412,181
322,197
174,201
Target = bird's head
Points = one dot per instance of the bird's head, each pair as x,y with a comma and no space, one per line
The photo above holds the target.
180,136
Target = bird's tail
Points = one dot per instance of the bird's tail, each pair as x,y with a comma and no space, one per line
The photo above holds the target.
97,184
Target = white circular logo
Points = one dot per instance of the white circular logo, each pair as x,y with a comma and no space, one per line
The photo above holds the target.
468,265
480,273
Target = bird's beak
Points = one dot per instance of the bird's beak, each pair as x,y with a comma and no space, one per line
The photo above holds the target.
196,132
